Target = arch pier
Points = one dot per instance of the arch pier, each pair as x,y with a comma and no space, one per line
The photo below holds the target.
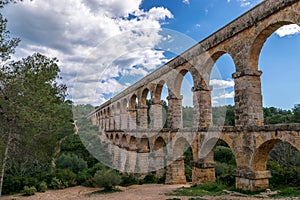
140,145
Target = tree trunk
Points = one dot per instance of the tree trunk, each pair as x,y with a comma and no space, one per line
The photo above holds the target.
4,161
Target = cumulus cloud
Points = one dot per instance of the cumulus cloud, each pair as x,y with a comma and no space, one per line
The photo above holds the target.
220,98
286,30
244,3
221,84
186,1
96,41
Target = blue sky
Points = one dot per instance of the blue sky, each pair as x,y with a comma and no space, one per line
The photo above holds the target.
104,46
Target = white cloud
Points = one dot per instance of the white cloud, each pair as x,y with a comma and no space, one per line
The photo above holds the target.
186,1
97,40
244,3
286,30
221,84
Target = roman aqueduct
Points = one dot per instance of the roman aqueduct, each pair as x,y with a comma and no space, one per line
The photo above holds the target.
138,145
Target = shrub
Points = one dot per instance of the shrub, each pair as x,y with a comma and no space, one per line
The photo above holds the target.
29,191
12,184
224,154
188,172
150,178
128,180
57,184
42,187
71,162
67,177
107,179
224,174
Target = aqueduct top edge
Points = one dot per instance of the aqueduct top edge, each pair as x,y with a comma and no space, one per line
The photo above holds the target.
246,20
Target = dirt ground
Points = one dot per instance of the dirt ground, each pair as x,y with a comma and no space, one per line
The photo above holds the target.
135,192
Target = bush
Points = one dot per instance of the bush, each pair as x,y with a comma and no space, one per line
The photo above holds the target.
107,179
67,177
224,174
12,184
42,187
224,154
128,180
150,178
188,172
29,191
57,184
71,162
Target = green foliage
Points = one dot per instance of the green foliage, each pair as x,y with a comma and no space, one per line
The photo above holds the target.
129,179
225,164
277,116
224,173
223,115
150,178
42,187
12,184
106,179
188,172
296,111
29,191
188,158
287,192
73,145
71,162
66,176
187,116
224,154
7,45
284,164
34,114
57,184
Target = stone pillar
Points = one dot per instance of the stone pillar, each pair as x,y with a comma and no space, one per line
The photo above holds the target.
142,117
175,172
131,160
117,121
142,162
111,121
100,122
248,98
132,119
124,121
251,180
203,172
174,112
202,116
123,158
116,156
156,115
157,162
106,123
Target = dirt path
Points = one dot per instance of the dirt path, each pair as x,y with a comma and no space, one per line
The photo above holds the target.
135,192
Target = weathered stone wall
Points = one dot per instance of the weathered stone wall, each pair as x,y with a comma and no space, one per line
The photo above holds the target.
250,140
250,146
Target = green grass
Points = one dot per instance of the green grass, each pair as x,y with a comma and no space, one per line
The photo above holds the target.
209,189
287,192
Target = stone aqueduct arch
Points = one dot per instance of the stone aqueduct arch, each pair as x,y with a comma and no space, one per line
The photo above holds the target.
123,119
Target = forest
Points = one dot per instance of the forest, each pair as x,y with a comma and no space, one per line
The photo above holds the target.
67,162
